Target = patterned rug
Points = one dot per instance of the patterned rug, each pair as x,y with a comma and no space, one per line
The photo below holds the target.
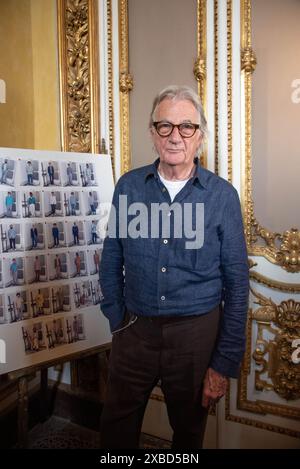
62,434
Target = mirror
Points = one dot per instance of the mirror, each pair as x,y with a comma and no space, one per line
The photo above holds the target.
30,115
276,113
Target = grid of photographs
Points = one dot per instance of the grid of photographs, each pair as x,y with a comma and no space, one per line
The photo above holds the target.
49,248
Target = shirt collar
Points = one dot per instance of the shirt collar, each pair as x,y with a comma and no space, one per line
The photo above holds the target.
199,174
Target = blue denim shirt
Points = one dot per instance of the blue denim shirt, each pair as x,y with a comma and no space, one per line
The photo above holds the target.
162,277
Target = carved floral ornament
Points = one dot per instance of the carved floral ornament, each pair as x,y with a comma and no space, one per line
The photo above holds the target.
281,249
78,69
274,356
248,60
200,69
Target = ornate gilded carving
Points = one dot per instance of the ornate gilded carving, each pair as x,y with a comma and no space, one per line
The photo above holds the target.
281,249
274,355
216,87
200,69
110,82
126,82
248,60
79,80
125,85
229,89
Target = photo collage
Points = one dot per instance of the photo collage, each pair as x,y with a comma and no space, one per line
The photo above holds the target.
50,249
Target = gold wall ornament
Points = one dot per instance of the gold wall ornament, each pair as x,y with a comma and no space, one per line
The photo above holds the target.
110,83
216,19
229,89
283,321
125,86
79,90
125,82
281,249
248,60
200,69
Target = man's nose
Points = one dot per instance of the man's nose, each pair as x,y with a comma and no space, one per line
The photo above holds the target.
175,136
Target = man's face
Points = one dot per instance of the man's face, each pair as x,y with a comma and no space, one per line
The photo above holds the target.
175,150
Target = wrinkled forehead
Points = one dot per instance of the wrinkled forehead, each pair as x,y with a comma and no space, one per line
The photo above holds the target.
179,109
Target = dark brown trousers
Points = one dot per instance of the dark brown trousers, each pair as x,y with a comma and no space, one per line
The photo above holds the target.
175,351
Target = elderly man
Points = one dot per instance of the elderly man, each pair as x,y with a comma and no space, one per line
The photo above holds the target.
178,315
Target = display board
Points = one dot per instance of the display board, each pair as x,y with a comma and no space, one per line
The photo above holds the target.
50,251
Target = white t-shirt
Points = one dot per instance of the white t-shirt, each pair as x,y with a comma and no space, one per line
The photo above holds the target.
173,187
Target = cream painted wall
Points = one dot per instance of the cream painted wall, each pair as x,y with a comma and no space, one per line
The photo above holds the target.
162,51
276,119
45,75
16,116
28,64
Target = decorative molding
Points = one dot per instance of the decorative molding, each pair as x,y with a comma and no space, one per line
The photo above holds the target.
229,88
125,85
283,322
281,249
248,60
79,75
200,70
110,83
258,406
274,284
257,423
216,19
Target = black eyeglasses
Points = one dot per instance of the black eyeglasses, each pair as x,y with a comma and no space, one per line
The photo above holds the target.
186,129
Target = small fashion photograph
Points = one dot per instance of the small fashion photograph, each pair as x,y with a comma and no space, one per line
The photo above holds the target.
77,264
56,235
50,173
55,333
33,338
72,203
34,236
75,233
29,173
69,174
40,302
7,171
36,269
53,204
31,202
11,239
87,174
58,266
9,204
17,306
91,202
95,291
1,273
91,232
94,258
60,298
75,328
82,293
2,310
13,271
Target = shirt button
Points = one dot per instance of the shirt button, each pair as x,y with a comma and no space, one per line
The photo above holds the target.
165,241
162,298
164,189
163,269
